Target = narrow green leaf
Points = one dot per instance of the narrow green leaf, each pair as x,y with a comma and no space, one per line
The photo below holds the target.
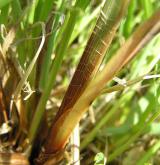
3,3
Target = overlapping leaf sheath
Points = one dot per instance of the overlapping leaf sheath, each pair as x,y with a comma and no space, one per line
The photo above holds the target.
94,52
88,66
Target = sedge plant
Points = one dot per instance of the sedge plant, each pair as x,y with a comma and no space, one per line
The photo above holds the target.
56,25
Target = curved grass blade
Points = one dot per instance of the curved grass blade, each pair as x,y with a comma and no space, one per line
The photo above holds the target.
25,77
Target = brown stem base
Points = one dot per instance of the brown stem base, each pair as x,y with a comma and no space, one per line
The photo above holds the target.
49,158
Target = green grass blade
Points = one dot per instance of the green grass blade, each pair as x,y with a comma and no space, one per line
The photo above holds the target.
51,45
32,10
128,26
44,8
16,9
132,138
3,3
4,14
148,8
149,154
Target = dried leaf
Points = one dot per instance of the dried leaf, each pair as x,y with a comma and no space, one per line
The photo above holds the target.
13,159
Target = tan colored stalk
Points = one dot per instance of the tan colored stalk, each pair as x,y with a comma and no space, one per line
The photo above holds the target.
13,159
75,146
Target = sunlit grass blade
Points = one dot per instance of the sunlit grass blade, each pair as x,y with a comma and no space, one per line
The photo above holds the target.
128,25
44,8
148,8
31,14
145,157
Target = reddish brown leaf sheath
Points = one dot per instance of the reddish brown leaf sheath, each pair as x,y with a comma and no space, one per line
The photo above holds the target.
94,52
